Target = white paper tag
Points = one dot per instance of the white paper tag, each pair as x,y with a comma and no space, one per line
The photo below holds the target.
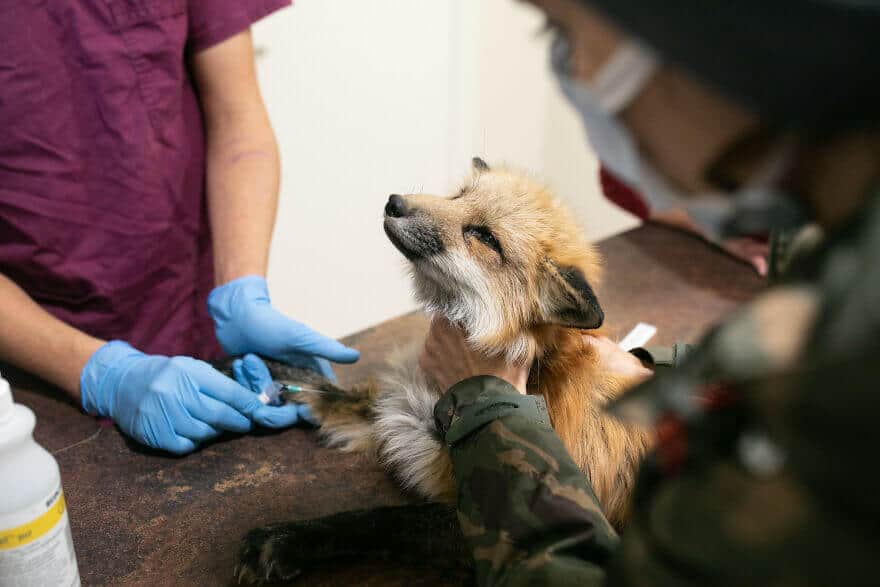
638,336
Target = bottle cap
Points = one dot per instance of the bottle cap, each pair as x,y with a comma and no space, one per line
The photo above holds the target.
6,405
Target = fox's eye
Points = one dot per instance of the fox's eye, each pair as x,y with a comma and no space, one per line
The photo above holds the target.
460,193
484,235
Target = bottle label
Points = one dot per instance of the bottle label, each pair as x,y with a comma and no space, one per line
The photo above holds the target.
36,547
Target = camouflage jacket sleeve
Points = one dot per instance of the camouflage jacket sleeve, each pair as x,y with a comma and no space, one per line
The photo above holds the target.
527,511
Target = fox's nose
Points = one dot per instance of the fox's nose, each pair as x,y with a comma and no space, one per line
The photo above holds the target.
396,207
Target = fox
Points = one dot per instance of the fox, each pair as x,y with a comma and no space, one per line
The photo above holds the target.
502,258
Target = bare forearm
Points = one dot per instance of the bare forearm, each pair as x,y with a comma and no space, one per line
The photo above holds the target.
243,177
242,158
34,340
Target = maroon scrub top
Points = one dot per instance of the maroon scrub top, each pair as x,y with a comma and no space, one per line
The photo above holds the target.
102,170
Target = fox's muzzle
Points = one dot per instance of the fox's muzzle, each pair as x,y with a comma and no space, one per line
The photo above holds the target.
414,234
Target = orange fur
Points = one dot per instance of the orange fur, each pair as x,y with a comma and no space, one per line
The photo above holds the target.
576,388
503,258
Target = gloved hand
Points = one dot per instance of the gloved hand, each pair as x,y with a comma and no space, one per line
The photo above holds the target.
246,322
253,373
170,403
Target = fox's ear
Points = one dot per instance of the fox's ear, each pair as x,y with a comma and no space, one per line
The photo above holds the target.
568,300
479,164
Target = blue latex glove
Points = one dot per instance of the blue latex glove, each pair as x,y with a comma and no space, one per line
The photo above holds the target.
246,322
253,373
169,403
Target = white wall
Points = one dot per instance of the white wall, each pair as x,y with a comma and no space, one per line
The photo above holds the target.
371,98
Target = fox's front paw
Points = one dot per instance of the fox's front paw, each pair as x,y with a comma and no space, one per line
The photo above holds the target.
263,560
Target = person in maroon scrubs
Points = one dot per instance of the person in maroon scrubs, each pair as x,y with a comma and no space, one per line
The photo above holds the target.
139,174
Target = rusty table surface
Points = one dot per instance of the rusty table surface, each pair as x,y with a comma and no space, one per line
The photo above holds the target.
146,518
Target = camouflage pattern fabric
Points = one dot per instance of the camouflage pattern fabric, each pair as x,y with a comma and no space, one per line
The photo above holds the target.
524,507
763,467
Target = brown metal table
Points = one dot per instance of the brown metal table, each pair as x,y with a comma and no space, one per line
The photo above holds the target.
142,517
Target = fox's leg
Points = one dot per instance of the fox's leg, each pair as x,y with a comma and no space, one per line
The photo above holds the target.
346,415
425,533
394,418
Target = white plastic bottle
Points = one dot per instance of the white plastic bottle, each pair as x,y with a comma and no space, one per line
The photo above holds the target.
36,547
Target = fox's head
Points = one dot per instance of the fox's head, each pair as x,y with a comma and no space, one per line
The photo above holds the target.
501,256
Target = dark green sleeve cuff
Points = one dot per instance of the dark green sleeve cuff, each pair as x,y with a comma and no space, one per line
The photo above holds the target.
662,356
471,404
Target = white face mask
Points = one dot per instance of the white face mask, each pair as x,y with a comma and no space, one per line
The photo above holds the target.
620,80
613,88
